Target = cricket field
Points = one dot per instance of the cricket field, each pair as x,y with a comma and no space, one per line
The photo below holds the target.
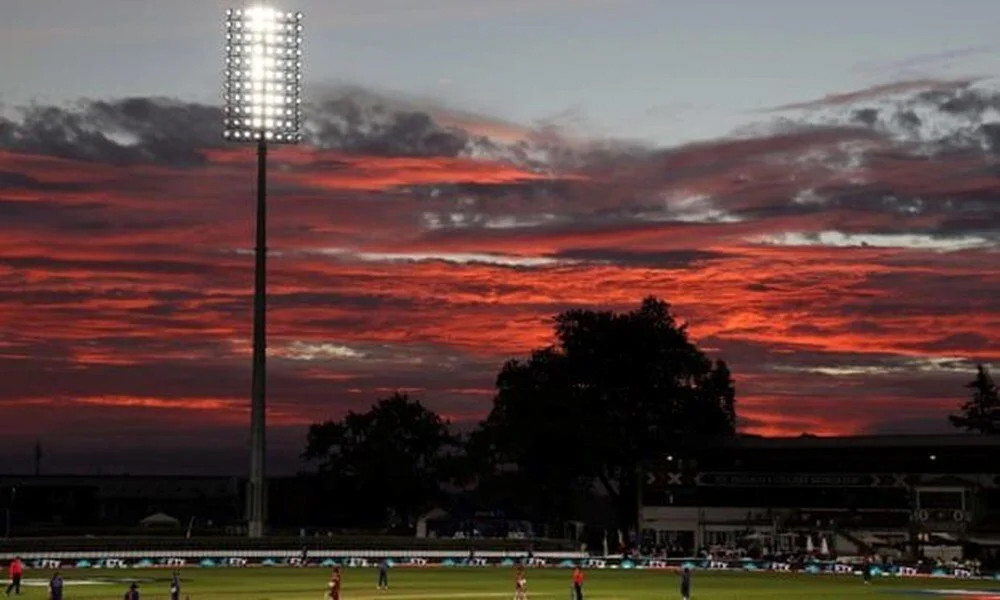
263,583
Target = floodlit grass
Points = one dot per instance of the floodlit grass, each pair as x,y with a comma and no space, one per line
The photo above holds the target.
483,584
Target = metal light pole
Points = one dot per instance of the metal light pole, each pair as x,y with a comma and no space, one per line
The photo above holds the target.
10,508
263,105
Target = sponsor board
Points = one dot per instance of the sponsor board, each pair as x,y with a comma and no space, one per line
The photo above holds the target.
234,561
355,562
552,561
48,563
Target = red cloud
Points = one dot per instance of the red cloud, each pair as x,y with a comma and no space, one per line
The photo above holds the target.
127,289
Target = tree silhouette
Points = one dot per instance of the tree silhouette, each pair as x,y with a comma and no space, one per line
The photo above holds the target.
981,413
389,459
617,390
532,428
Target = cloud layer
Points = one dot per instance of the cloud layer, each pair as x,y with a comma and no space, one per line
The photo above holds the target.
842,255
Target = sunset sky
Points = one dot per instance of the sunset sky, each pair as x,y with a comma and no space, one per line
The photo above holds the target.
813,186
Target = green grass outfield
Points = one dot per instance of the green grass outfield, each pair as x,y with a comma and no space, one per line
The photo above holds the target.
484,584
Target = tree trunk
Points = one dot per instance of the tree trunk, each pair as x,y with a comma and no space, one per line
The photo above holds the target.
625,504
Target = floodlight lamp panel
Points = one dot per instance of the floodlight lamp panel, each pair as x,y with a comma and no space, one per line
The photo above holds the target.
263,70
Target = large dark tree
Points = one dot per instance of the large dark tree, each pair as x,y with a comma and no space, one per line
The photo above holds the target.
388,460
981,412
615,391
533,454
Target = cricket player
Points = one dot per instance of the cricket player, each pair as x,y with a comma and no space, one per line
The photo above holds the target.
175,586
383,575
577,583
133,592
520,584
15,571
56,587
686,584
333,586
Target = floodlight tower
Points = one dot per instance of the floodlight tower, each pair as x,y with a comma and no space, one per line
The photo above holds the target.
263,105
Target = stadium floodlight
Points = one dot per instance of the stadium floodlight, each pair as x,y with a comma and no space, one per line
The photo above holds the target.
263,105
263,81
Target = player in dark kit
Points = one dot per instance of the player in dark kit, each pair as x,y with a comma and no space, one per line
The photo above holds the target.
56,587
175,586
16,571
383,574
686,584
866,571
133,592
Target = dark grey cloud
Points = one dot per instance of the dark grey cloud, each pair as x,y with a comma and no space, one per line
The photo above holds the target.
23,181
347,124
938,118
760,356
39,213
969,102
990,132
46,213
176,267
667,259
935,213
909,119
965,343
122,132
864,326
974,289
867,116
170,132
530,192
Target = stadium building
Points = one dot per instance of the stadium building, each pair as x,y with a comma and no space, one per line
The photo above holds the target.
928,494
63,503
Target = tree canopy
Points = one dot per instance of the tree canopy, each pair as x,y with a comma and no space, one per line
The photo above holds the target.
981,412
389,459
615,391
